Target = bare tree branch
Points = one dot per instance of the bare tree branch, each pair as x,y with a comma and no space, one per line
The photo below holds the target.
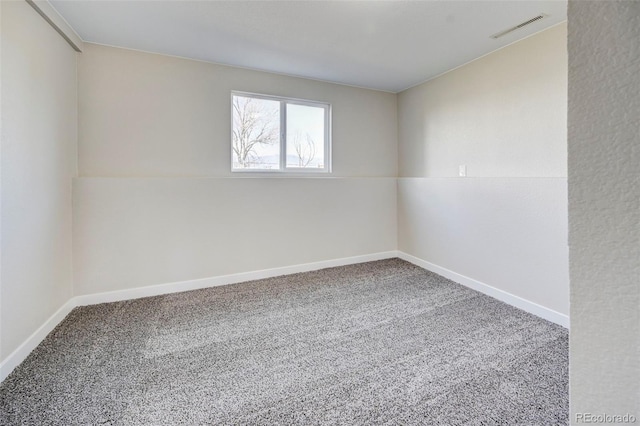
253,125
305,150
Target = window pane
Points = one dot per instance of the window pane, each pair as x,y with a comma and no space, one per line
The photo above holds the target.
305,136
256,133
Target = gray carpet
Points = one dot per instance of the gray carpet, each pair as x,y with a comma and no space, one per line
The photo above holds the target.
376,343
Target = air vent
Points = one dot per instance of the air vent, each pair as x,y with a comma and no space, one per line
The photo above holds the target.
522,25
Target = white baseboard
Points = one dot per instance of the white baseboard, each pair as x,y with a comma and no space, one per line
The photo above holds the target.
16,357
503,296
19,355
160,289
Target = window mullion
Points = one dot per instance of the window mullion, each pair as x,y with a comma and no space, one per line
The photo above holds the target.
283,135
327,138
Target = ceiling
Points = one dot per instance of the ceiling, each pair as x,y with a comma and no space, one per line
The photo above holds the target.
383,45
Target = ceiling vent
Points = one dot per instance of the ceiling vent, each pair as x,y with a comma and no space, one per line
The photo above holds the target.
519,26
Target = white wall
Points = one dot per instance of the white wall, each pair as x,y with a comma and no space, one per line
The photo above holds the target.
143,231
39,126
145,115
504,117
604,207
156,131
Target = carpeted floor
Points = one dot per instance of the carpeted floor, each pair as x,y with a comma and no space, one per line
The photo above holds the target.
376,343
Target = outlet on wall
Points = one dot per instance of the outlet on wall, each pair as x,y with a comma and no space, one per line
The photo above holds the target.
462,170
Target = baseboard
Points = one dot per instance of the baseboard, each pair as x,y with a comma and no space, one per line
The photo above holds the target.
21,353
513,300
160,289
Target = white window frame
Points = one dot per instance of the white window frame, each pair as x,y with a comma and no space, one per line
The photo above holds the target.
283,135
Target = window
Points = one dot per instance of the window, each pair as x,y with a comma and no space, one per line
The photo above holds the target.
272,134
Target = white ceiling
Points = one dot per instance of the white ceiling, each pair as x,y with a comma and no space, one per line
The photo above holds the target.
384,45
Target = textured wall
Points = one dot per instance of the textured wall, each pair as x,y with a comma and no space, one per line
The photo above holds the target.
604,206
505,224
39,124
